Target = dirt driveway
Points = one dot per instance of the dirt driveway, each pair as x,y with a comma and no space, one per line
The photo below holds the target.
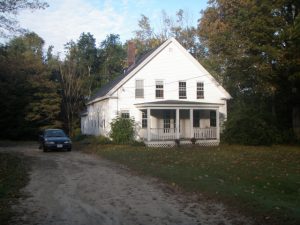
77,188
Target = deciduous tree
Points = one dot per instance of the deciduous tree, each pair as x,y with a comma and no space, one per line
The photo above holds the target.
10,8
254,46
30,97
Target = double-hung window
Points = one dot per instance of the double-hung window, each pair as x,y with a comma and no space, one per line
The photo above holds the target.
159,91
125,114
167,122
200,90
139,88
182,89
213,118
144,119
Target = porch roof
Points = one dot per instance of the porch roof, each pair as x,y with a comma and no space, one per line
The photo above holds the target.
177,103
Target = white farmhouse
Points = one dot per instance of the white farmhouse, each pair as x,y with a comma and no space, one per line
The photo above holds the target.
170,96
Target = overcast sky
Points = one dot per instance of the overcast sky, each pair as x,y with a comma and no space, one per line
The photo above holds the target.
67,19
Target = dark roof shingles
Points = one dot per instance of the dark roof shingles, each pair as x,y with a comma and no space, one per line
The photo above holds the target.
107,87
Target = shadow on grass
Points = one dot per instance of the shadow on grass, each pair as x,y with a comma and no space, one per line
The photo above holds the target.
263,182
13,177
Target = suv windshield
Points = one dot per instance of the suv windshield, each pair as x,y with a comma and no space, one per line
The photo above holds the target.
54,133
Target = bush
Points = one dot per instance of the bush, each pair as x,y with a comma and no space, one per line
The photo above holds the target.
89,139
122,130
79,137
138,143
249,127
102,140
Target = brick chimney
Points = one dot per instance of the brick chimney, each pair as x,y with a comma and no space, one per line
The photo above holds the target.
131,53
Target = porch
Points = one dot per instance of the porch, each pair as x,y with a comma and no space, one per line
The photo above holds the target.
179,123
165,134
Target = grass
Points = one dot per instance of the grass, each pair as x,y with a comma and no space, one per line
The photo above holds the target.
264,182
13,177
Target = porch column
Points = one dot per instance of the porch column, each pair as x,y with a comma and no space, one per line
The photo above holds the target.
177,123
218,124
148,125
191,123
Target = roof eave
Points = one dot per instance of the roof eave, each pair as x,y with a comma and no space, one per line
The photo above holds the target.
187,105
138,68
100,99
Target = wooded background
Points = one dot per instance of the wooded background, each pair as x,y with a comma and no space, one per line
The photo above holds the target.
251,47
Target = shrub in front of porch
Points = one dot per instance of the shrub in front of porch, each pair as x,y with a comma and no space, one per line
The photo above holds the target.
122,130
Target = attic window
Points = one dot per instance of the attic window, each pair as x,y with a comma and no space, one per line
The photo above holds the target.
139,89
200,90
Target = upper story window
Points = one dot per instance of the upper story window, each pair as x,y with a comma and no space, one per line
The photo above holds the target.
139,88
182,89
125,114
200,90
159,91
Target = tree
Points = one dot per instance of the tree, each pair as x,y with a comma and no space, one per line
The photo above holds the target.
112,57
145,33
84,69
88,62
145,38
10,8
31,98
72,81
254,46
44,107
179,27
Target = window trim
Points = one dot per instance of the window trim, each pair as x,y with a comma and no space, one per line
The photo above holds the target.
199,90
213,118
139,89
181,90
123,112
144,119
166,122
160,89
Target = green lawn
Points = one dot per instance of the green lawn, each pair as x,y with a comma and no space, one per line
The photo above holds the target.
13,176
261,181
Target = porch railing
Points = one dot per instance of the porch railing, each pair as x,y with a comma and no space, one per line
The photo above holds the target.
205,133
163,133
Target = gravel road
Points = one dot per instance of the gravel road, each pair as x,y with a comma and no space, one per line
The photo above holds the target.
69,188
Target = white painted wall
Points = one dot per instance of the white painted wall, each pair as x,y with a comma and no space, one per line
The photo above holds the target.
171,65
95,123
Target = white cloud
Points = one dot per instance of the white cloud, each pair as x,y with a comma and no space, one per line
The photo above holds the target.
66,20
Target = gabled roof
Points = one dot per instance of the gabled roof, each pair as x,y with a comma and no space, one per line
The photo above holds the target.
107,87
107,90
